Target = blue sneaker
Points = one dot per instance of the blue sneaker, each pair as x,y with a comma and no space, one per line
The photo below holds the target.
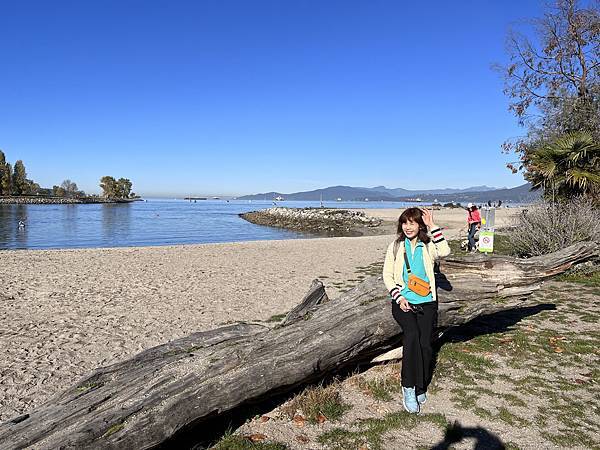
409,400
422,398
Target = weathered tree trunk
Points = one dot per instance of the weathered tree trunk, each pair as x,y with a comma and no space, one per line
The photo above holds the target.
143,401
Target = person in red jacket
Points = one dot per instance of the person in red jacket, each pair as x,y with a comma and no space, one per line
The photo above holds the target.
473,224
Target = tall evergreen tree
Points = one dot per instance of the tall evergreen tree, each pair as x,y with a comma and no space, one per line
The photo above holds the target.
6,181
20,184
2,170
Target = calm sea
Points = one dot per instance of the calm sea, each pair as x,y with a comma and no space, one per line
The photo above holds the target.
152,222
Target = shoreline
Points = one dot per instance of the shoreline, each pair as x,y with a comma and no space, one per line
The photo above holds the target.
61,201
68,311
451,221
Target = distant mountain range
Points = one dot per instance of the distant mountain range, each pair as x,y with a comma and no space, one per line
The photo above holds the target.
476,194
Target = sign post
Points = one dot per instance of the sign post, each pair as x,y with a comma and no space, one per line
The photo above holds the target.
486,234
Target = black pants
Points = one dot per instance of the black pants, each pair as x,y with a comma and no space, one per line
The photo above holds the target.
417,355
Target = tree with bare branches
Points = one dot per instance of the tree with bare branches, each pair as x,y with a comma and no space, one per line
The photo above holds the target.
553,78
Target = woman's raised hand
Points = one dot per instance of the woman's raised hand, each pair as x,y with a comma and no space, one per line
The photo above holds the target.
428,218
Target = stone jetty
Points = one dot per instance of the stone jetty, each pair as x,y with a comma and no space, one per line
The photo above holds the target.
322,221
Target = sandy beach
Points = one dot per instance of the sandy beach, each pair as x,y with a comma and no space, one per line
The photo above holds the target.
66,312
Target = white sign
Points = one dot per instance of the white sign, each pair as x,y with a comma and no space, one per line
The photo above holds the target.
486,241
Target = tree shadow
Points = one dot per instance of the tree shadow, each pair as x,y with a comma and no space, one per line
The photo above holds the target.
498,322
484,439
206,432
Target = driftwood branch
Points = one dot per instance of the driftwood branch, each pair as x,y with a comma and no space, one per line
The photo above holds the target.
316,296
142,402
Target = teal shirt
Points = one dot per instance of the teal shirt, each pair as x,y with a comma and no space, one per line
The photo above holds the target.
417,268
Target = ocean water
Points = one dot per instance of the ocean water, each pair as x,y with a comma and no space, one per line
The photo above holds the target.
148,223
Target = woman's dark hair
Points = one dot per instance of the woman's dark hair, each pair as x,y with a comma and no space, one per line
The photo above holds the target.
414,215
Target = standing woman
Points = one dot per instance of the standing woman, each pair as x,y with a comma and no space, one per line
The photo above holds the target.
408,276
473,224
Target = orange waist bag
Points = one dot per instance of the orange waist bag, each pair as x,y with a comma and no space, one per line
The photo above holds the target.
418,285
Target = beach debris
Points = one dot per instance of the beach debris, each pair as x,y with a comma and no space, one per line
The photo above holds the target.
299,420
302,438
257,437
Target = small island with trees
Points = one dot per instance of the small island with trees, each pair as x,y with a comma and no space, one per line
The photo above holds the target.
16,188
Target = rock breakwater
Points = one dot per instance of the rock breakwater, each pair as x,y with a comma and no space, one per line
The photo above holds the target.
329,222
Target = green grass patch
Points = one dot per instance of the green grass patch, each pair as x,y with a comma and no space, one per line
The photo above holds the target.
463,399
568,439
512,419
370,431
455,247
237,442
380,388
510,398
483,413
589,279
502,246
452,355
511,446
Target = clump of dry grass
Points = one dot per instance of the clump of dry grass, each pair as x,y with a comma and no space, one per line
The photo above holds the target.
548,227
316,403
384,388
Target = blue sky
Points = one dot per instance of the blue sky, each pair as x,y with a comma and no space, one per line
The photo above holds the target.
236,97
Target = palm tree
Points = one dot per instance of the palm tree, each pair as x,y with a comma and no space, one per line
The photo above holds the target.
567,167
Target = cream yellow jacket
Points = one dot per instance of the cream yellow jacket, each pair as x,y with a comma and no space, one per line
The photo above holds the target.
394,266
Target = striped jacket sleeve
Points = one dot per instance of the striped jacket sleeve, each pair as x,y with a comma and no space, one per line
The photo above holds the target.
440,244
388,273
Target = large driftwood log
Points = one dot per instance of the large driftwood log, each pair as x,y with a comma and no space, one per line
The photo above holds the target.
141,402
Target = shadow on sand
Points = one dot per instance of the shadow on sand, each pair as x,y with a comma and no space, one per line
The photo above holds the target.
484,439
